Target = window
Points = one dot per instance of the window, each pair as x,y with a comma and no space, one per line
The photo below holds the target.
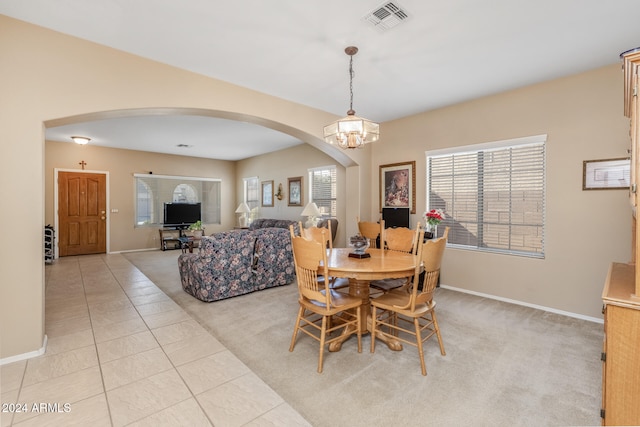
252,195
144,203
493,195
184,193
153,191
323,189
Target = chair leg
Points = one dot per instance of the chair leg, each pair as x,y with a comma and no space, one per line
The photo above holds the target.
323,335
419,343
373,329
296,328
359,323
437,329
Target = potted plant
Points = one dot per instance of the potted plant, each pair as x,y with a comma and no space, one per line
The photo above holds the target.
196,229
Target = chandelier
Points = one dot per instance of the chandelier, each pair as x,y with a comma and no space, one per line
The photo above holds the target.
351,131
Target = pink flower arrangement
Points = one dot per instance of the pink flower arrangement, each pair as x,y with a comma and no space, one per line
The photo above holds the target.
434,216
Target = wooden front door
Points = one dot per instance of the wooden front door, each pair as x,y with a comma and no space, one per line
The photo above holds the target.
82,213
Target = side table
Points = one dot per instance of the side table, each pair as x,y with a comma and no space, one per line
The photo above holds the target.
188,243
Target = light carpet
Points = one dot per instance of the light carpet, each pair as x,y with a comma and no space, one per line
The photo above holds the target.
506,365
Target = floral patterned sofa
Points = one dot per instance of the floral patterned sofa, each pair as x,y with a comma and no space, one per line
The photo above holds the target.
269,222
238,262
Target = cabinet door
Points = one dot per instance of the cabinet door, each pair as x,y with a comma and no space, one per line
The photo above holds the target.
604,364
622,366
633,133
635,174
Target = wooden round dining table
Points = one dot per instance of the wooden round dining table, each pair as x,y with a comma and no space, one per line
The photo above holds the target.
382,264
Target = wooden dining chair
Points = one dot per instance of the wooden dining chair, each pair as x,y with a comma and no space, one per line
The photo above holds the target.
318,302
400,239
401,314
371,230
323,235
319,234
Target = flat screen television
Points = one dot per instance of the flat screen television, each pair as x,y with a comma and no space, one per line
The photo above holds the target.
395,217
181,214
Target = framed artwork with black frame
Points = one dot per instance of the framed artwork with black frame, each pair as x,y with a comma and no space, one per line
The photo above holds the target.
606,174
267,193
398,186
295,191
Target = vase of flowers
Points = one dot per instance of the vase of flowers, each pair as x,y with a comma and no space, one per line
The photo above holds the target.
432,219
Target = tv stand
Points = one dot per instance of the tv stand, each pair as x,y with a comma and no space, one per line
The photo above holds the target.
170,237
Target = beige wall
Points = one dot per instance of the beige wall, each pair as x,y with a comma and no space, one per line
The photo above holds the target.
121,165
585,230
48,78
289,163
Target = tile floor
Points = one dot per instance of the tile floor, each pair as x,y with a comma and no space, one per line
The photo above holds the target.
120,352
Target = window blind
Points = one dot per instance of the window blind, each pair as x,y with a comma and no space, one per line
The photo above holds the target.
252,192
493,196
323,189
252,196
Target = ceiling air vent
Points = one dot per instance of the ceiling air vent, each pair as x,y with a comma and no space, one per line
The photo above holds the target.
386,16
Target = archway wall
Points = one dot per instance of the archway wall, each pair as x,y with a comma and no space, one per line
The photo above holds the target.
47,76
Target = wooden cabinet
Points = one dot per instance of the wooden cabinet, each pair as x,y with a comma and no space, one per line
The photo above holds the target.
621,295
621,354
631,66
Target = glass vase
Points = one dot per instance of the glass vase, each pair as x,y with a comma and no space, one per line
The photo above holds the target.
430,231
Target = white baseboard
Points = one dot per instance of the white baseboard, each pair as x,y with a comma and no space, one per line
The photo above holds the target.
526,304
25,356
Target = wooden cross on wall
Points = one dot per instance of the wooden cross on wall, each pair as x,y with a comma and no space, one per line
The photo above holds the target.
83,164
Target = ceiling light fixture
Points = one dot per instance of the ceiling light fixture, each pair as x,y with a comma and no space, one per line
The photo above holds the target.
351,131
82,140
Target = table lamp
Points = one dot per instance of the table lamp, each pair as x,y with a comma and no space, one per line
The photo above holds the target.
311,211
243,210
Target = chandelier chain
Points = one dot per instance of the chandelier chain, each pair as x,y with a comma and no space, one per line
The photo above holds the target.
351,83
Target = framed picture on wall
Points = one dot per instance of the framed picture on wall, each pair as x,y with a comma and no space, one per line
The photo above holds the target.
267,193
398,186
295,191
606,174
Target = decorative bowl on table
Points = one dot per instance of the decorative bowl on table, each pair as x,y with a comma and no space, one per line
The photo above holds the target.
359,244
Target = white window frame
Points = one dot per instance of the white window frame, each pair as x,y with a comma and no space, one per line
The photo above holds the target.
328,206
251,193
510,234
210,198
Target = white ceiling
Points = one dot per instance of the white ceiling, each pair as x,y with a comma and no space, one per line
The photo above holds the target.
444,52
